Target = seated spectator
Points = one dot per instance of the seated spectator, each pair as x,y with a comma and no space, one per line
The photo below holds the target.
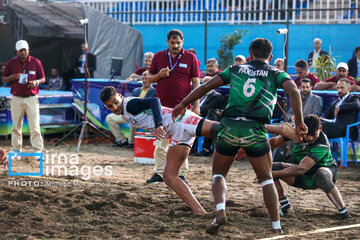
354,64
302,69
113,120
342,112
212,68
330,83
148,56
314,55
211,107
311,104
239,59
279,64
55,81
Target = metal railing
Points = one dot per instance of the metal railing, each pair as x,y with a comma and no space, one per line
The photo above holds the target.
229,11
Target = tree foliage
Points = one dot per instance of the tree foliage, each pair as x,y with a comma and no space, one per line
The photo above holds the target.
228,42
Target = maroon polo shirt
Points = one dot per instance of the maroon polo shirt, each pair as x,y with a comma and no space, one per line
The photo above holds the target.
335,80
314,79
140,71
32,66
171,90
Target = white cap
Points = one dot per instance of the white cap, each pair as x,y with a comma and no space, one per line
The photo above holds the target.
343,65
241,57
21,44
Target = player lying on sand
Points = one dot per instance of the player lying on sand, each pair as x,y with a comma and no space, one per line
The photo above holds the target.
312,166
148,114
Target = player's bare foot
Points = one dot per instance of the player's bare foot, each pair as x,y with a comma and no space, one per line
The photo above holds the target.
200,212
216,224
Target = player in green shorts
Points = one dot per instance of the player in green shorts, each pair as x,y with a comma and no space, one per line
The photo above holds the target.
251,103
312,166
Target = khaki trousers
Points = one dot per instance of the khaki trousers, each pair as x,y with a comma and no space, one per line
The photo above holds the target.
30,106
161,148
113,121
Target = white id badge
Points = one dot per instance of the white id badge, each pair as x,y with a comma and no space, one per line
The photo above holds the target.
23,79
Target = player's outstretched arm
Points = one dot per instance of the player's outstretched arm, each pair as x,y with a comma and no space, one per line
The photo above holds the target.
196,94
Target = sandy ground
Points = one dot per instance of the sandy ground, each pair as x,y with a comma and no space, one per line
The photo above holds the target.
122,206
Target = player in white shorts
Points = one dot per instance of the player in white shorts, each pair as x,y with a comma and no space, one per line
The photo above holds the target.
148,114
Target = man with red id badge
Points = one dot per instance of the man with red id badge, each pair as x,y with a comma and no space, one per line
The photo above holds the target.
25,73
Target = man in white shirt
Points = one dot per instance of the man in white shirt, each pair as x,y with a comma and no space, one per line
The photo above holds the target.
314,55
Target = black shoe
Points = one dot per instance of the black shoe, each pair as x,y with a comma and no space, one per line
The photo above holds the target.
116,145
203,153
124,144
130,145
345,215
184,180
156,178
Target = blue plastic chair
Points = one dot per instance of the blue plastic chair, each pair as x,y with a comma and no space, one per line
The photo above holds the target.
344,142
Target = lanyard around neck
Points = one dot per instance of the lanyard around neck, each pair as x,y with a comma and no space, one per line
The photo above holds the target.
173,66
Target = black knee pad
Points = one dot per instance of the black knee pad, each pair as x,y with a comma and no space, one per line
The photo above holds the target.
214,129
322,179
276,167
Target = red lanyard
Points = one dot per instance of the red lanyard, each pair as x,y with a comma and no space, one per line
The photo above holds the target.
22,68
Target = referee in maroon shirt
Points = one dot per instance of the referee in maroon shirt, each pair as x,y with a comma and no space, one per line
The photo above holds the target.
25,74
176,72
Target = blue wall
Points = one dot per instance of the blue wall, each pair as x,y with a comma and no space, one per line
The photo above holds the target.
342,38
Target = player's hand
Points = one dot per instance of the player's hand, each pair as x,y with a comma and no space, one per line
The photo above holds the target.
301,130
196,109
33,84
164,72
15,77
178,110
159,133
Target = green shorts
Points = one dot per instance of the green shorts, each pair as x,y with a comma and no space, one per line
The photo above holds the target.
248,134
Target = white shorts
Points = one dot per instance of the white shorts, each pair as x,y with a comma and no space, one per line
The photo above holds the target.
184,132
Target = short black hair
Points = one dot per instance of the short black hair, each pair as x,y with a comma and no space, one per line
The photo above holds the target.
175,33
107,93
301,64
261,48
312,122
305,80
357,49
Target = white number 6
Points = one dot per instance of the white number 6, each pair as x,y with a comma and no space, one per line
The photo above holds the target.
248,86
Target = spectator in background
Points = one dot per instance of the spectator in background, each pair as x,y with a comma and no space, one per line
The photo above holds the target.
354,64
279,64
80,63
239,59
113,120
193,50
314,55
174,70
148,56
302,69
311,104
342,112
331,83
2,68
24,88
211,108
55,82
212,68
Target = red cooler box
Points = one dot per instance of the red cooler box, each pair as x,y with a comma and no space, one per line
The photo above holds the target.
144,146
